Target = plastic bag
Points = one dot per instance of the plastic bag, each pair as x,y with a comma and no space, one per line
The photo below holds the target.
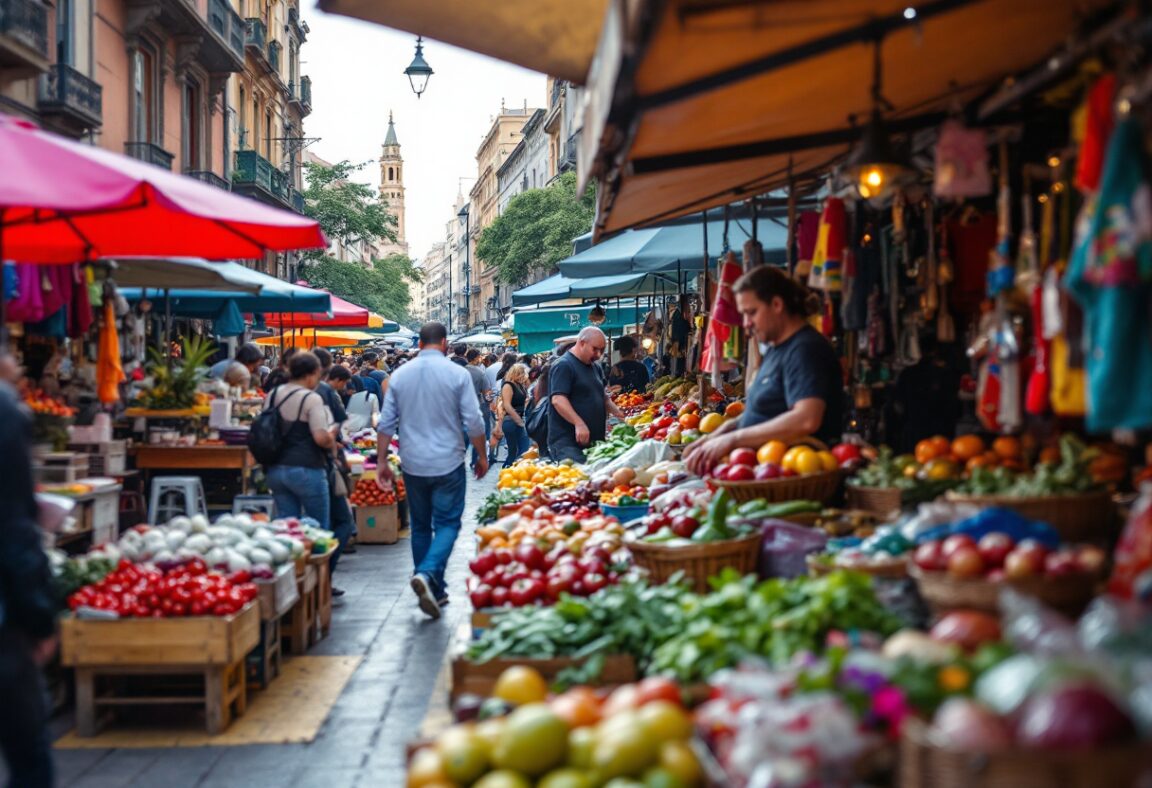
935,514
643,455
996,519
785,548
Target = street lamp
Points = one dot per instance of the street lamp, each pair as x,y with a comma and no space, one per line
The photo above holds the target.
465,218
419,70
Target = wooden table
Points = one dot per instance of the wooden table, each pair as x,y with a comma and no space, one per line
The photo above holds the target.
152,457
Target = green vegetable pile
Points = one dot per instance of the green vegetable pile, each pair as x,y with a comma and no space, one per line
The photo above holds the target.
1070,476
75,573
622,438
670,630
489,510
888,470
776,619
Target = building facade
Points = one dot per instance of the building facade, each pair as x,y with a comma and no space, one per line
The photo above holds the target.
208,88
562,123
502,138
392,188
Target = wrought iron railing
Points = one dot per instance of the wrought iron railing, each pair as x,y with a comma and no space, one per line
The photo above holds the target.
25,21
64,90
209,177
153,154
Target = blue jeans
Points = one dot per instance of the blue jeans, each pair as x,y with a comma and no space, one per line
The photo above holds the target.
299,490
342,526
517,438
435,504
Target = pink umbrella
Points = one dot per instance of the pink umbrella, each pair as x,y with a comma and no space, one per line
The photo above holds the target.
63,201
344,314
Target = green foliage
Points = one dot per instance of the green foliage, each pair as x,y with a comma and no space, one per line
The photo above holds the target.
382,288
535,231
174,381
347,211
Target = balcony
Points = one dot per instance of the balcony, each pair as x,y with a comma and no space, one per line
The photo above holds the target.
274,55
300,96
255,35
254,176
228,25
210,178
24,35
569,160
147,152
71,99
297,201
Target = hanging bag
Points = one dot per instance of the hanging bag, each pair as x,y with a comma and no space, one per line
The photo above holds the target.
536,421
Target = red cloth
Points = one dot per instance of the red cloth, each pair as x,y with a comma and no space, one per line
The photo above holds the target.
117,206
970,244
1036,395
1097,131
343,315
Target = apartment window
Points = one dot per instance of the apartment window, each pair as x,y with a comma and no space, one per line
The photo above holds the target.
293,65
243,130
193,153
145,96
255,124
268,135
64,38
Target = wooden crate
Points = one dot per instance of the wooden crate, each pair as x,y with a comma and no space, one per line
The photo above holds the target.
299,624
323,592
123,652
277,596
264,663
480,678
200,640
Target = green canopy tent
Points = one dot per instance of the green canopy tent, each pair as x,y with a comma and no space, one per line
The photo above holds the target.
538,328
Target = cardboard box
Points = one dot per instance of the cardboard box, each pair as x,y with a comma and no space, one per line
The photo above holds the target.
377,524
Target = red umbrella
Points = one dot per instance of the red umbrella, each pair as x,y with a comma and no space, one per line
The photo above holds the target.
344,315
63,201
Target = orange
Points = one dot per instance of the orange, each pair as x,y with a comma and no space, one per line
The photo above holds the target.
734,409
982,461
925,451
1050,455
967,446
519,685
1007,447
579,707
942,444
808,461
689,421
772,452
827,461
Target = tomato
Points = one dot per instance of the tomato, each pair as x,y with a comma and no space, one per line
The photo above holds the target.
578,707
658,688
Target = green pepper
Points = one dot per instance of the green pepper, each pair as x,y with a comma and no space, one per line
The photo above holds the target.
715,527
792,507
665,534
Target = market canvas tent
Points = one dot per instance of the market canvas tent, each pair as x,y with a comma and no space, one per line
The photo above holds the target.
273,295
559,288
183,273
310,338
537,328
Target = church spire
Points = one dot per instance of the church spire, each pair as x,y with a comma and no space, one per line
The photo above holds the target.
390,138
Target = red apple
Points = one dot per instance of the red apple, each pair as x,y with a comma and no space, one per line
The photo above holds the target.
965,562
929,557
742,457
994,548
767,471
955,542
1062,563
846,452
740,473
1034,545
1021,563
721,471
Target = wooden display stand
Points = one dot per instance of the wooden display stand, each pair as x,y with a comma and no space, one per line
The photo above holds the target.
208,646
299,624
377,524
277,596
323,592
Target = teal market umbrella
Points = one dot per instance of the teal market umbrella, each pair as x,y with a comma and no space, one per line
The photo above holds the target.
228,320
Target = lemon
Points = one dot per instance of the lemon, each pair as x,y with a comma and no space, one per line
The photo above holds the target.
827,460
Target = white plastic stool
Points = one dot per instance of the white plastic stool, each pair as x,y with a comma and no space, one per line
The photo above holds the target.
254,503
161,507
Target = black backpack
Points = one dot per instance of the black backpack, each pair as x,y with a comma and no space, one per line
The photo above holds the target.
536,422
266,436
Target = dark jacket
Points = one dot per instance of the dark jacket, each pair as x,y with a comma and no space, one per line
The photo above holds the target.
27,601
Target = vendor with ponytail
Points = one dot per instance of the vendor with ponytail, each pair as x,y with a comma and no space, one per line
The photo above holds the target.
798,389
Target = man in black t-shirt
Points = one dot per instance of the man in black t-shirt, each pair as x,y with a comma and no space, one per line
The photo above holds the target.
580,404
628,373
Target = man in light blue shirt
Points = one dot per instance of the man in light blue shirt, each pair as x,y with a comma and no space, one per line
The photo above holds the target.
432,403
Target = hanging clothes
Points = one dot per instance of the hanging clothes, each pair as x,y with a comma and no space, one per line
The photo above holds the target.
722,344
1110,275
962,162
807,231
831,240
109,373
1098,122
80,316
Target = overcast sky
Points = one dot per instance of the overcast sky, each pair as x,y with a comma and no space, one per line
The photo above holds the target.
357,76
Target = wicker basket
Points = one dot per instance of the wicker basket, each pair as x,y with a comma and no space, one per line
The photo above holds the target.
925,763
814,487
1090,517
698,562
896,569
1069,594
883,502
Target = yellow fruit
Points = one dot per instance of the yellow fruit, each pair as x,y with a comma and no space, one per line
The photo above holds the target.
565,778
806,461
677,757
623,747
463,753
665,721
503,778
426,769
788,461
581,744
534,741
772,452
711,423
519,685
827,460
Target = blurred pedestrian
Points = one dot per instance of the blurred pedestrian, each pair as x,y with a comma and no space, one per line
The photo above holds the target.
514,398
279,375
427,402
484,393
580,403
628,373
27,605
238,371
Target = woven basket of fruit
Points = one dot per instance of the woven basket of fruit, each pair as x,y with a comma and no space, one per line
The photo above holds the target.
813,487
1083,517
881,501
1069,594
698,562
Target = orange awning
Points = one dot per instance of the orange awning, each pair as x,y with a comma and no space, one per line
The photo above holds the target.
725,94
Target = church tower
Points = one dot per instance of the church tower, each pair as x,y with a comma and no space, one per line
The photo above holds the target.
392,188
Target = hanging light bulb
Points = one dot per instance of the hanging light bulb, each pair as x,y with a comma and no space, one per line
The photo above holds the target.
419,71
648,343
597,315
875,166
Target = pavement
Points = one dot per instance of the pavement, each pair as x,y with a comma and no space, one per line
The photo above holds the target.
362,742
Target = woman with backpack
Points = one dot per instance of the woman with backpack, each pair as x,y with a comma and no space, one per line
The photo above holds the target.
514,399
298,475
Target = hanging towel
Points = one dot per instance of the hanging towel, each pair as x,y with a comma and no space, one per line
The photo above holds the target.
830,242
722,341
109,373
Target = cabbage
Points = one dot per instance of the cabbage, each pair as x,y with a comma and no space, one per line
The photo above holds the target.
217,556
199,521
259,555
262,533
280,553
180,523
175,539
237,562
225,521
199,542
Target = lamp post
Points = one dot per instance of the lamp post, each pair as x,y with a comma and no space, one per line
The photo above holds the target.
465,217
418,70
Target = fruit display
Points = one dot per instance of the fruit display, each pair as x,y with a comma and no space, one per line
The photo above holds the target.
1067,473
630,399
530,474
526,575
682,516
916,482
997,557
624,495
638,735
184,589
489,509
778,460
42,404
580,501
548,529
367,493
622,438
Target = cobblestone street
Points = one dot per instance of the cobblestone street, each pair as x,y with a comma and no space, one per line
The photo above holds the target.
380,709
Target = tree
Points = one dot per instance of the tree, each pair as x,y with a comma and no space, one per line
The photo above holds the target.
347,211
535,231
382,288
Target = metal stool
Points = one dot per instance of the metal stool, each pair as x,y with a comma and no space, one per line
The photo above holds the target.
161,507
253,504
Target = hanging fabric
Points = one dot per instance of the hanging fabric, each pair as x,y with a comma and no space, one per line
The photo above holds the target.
109,373
831,239
1093,132
722,342
961,162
